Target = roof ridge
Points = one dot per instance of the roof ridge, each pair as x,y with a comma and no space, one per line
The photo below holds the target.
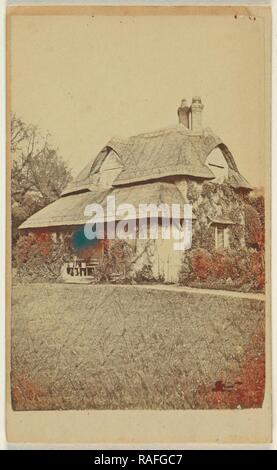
207,131
157,132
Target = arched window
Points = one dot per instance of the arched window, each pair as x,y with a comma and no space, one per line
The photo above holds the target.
218,165
110,169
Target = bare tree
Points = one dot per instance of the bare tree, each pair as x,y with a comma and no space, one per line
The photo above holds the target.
39,174
19,133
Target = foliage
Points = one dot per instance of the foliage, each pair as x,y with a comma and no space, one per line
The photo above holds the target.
212,200
242,270
203,235
201,263
38,257
255,220
254,234
258,203
145,274
117,259
247,389
39,174
238,268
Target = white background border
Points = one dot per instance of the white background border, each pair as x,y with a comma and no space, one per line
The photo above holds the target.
3,4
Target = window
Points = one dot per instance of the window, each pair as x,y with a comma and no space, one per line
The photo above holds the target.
110,169
221,237
218,165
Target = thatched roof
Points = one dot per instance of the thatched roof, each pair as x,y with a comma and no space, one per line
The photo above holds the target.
153,155
69,210
164,153
146,159
236,180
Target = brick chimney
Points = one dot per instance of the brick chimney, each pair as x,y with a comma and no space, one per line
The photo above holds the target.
183,113
196,114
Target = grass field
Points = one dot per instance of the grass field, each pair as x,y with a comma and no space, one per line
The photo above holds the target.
108,347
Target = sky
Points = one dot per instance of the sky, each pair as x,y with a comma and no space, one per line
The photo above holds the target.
85,79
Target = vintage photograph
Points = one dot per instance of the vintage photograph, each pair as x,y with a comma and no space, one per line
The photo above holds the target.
138,194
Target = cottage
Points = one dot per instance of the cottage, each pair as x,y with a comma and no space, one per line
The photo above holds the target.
184,164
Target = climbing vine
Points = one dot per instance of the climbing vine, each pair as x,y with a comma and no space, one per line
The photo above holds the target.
211,201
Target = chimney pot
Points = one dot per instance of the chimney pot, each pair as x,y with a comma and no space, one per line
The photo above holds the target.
196,114
196,99
183,113
183,103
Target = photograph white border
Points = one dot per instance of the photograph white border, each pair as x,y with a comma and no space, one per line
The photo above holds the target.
3,443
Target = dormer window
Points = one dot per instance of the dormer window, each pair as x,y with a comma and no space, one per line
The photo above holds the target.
105,170
218,165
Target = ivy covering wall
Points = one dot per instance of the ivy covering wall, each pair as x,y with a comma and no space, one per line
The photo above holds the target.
241,266
214,201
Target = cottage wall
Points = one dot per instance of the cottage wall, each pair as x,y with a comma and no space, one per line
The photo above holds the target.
160,257
182,185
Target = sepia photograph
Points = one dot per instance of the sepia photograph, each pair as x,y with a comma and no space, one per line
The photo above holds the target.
139,213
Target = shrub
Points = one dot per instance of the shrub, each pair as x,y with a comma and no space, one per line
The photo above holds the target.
218,265
201,263
39,257
247,388
145,274
254,231
117,259
256,269
243,270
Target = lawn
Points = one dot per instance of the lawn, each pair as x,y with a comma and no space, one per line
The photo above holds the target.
116,347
